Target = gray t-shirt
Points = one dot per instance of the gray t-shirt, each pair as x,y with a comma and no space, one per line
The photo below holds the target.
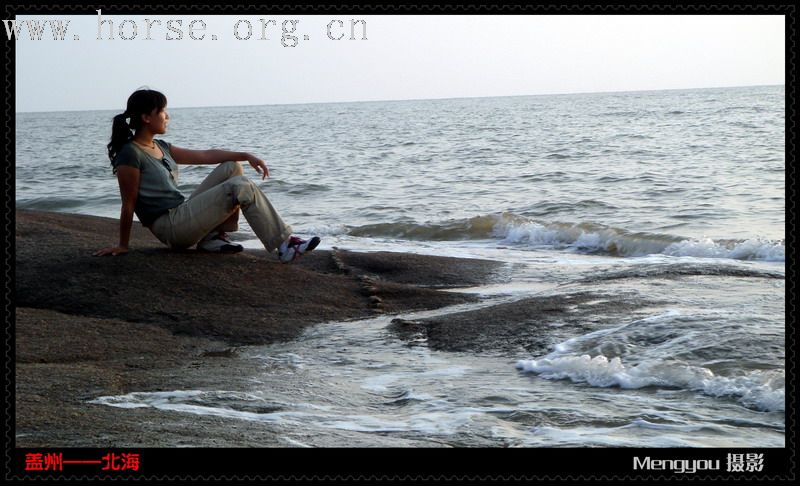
158,186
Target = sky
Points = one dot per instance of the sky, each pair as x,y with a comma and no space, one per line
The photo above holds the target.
397,58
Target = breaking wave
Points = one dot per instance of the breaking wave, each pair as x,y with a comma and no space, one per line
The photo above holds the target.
516,230
760,389
645,353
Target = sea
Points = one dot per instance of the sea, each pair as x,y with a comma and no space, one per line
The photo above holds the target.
661,213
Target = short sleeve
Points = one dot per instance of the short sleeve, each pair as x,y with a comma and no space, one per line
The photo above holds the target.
127,156
166,147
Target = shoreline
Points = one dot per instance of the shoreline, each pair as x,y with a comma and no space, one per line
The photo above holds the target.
157,320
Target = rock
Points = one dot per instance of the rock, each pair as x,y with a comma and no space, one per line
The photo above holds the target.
244,298
91,326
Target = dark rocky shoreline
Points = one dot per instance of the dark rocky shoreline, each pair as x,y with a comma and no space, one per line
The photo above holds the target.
158,320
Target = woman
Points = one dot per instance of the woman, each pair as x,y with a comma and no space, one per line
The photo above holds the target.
147,172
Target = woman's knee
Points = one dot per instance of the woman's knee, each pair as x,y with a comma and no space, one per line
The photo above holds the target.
232,169
242,188
241,182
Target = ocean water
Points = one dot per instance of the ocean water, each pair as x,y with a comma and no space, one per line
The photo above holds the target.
658,217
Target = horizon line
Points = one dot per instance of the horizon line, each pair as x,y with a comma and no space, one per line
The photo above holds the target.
424,99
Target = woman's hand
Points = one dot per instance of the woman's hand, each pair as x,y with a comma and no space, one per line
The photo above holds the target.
259,165
113,251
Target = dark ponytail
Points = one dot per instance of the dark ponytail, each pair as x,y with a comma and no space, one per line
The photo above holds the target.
141,102
120,134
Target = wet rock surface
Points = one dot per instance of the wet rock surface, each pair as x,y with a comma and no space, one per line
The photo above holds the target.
529,326
160,320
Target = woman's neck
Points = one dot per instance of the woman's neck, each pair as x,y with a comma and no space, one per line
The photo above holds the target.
145,139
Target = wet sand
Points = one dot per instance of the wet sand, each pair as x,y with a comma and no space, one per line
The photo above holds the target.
159,320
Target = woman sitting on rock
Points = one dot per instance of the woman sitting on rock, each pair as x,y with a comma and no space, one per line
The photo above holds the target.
147,172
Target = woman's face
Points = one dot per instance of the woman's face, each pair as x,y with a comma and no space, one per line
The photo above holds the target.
158,120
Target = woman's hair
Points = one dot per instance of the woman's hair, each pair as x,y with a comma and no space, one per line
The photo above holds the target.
142,101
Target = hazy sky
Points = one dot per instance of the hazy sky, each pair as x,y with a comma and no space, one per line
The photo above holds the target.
403,57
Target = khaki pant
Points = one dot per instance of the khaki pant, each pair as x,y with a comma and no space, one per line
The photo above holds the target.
214,206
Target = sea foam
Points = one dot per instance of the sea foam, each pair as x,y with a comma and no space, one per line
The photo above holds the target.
588,237
760,389
521,232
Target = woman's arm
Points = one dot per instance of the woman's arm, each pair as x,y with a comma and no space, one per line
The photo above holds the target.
216,156
128,178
